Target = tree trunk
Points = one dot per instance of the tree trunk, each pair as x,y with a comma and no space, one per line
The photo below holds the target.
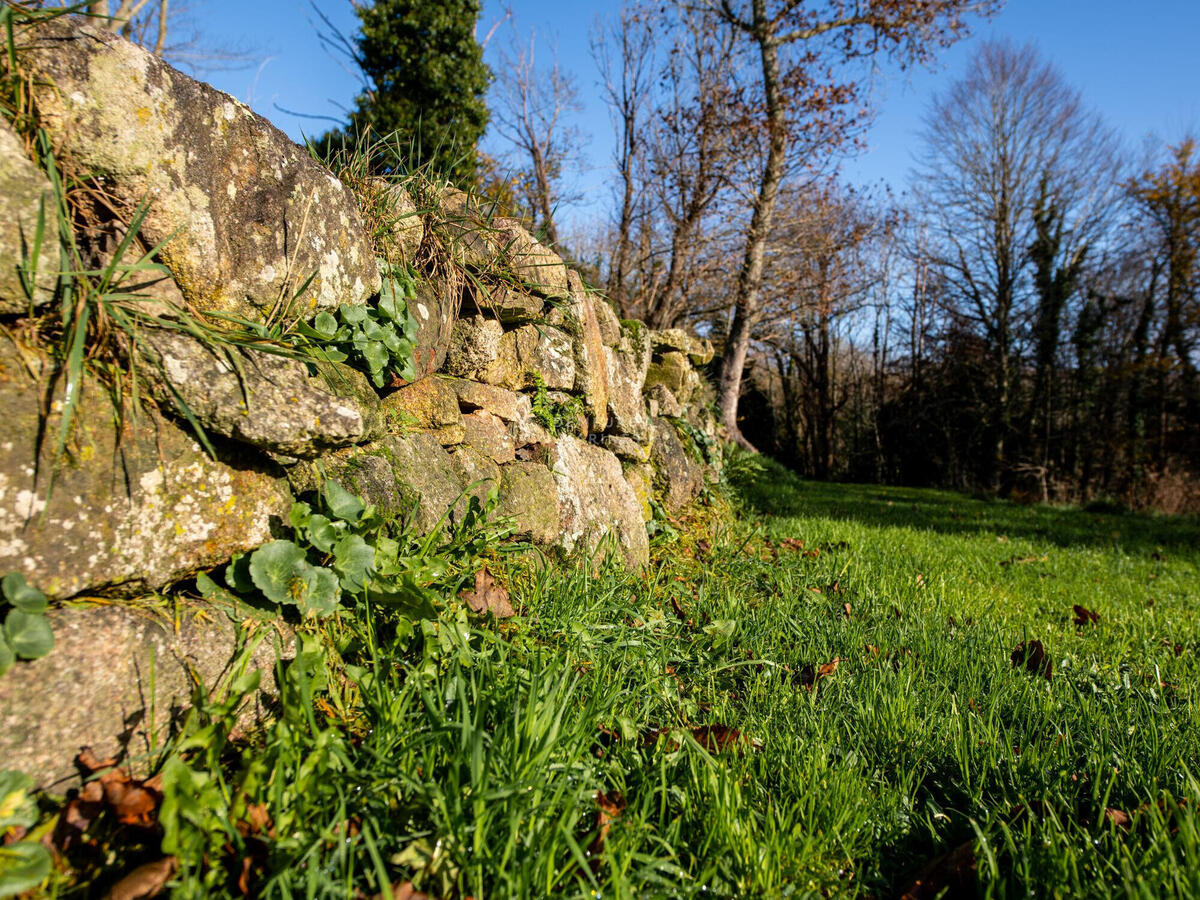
733,360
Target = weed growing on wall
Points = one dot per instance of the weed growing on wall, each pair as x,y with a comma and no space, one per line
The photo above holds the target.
26,633
24,864
557,417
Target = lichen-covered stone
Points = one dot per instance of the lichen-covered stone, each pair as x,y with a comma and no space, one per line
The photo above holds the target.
117,679
26,200
529,496
472,395
538,267
406,229
595,501
510,306
249,214
678,478
626,407
641,481
262,399
661,402
530,350
135,506
428,405
474,346
477,472
591,361
606,319
353,386
435,309
489,434
624,447
698,350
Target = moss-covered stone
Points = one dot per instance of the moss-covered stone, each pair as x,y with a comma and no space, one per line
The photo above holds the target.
529,496
675,372
678,477
428,405
489,435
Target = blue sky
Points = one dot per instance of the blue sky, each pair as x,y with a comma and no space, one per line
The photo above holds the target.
1139,67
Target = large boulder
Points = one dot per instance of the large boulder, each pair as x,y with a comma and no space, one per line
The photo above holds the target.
262,399
135,505
595,502
26,204
116,681
248,214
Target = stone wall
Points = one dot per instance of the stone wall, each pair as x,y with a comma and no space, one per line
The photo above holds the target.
504,328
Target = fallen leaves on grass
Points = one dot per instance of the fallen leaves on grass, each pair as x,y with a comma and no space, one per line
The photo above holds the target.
1023,560
488,596
1084,616
1118,817
144,882
608,808
713,738
953,874
401,890
1032,657
808,676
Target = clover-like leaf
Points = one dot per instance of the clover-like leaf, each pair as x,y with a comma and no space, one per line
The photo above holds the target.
354,560
342,503
277,569
28,634
23,866
21,595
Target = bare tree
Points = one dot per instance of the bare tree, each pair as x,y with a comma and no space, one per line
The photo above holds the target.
1013,162
531,109
800,49
624,52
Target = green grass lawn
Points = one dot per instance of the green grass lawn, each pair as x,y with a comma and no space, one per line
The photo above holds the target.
684,732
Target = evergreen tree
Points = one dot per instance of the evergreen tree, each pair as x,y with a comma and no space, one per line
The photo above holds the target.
426,81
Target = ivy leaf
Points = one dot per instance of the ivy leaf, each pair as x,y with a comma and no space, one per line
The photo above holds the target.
342,503
277,569
21,595
354,559
23,866
28,634
322,533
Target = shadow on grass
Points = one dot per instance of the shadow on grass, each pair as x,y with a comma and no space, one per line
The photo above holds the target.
780,492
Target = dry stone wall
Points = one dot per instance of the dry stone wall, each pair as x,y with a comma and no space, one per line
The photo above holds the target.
526,381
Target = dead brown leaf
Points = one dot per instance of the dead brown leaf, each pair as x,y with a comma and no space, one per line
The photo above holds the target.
145,881
953,874
488,596
1118,817
608,808
1084,616
808,677
401,890
1032,656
